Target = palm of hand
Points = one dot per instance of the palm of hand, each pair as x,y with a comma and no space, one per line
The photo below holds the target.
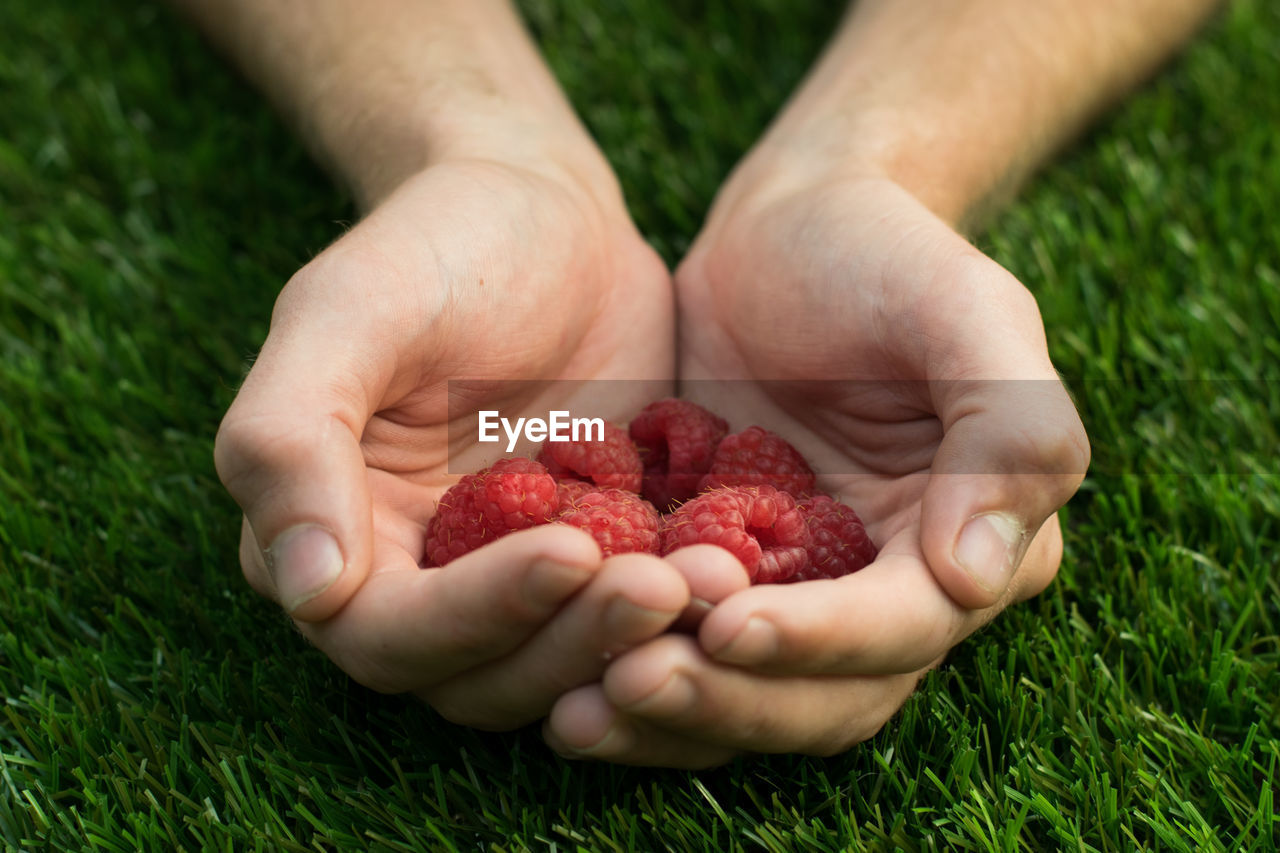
849,319
448,279
435,306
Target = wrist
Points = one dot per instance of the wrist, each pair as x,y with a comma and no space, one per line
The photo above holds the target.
383,89
910,93
492,131
813,145
958,102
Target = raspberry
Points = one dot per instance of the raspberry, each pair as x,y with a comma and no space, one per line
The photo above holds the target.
621,522
612,463
570,490
511,495
676,440
759,525
757,457
838,543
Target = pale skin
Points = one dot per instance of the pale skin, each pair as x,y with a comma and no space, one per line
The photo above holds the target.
840,235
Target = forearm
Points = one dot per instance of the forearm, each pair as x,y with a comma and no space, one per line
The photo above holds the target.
959,99
380,88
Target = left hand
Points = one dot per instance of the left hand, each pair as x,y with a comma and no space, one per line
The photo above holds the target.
471,276
913,373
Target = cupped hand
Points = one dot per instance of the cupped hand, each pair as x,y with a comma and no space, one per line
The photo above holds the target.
913,372
346,430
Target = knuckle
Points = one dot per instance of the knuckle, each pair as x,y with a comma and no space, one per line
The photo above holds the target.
247,444
1050,438
252,450
1061,449
1076,450
235,438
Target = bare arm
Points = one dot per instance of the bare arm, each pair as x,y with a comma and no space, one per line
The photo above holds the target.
959,99
379,88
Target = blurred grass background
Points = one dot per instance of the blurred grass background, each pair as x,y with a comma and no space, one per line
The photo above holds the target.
150,208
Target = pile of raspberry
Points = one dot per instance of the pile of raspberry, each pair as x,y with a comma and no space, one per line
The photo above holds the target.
674,478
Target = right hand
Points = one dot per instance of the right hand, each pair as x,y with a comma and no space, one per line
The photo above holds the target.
337,445
913,372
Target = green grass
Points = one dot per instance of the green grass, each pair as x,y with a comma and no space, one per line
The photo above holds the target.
150,208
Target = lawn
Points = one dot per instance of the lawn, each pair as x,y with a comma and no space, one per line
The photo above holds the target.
150,208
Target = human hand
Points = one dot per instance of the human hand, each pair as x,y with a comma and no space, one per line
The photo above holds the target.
913,373
338,443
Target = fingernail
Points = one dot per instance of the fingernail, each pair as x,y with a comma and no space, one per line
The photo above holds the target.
987,547
675,696
304,561
755,643
692,615
622,619
549,582
614,740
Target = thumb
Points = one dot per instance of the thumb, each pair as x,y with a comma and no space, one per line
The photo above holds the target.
1013,449
1013,452
289,452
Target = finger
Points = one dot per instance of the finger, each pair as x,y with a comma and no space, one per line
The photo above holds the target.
1013,449
253,564
408,627
289,452
393,533
1040,564
713,574
670,684
890,617
1009,462
584,725
633,598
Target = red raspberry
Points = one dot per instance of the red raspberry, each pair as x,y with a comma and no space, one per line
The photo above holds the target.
570,490
757,457
676,440
511,495
838,543
759,525
612,463
621,522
